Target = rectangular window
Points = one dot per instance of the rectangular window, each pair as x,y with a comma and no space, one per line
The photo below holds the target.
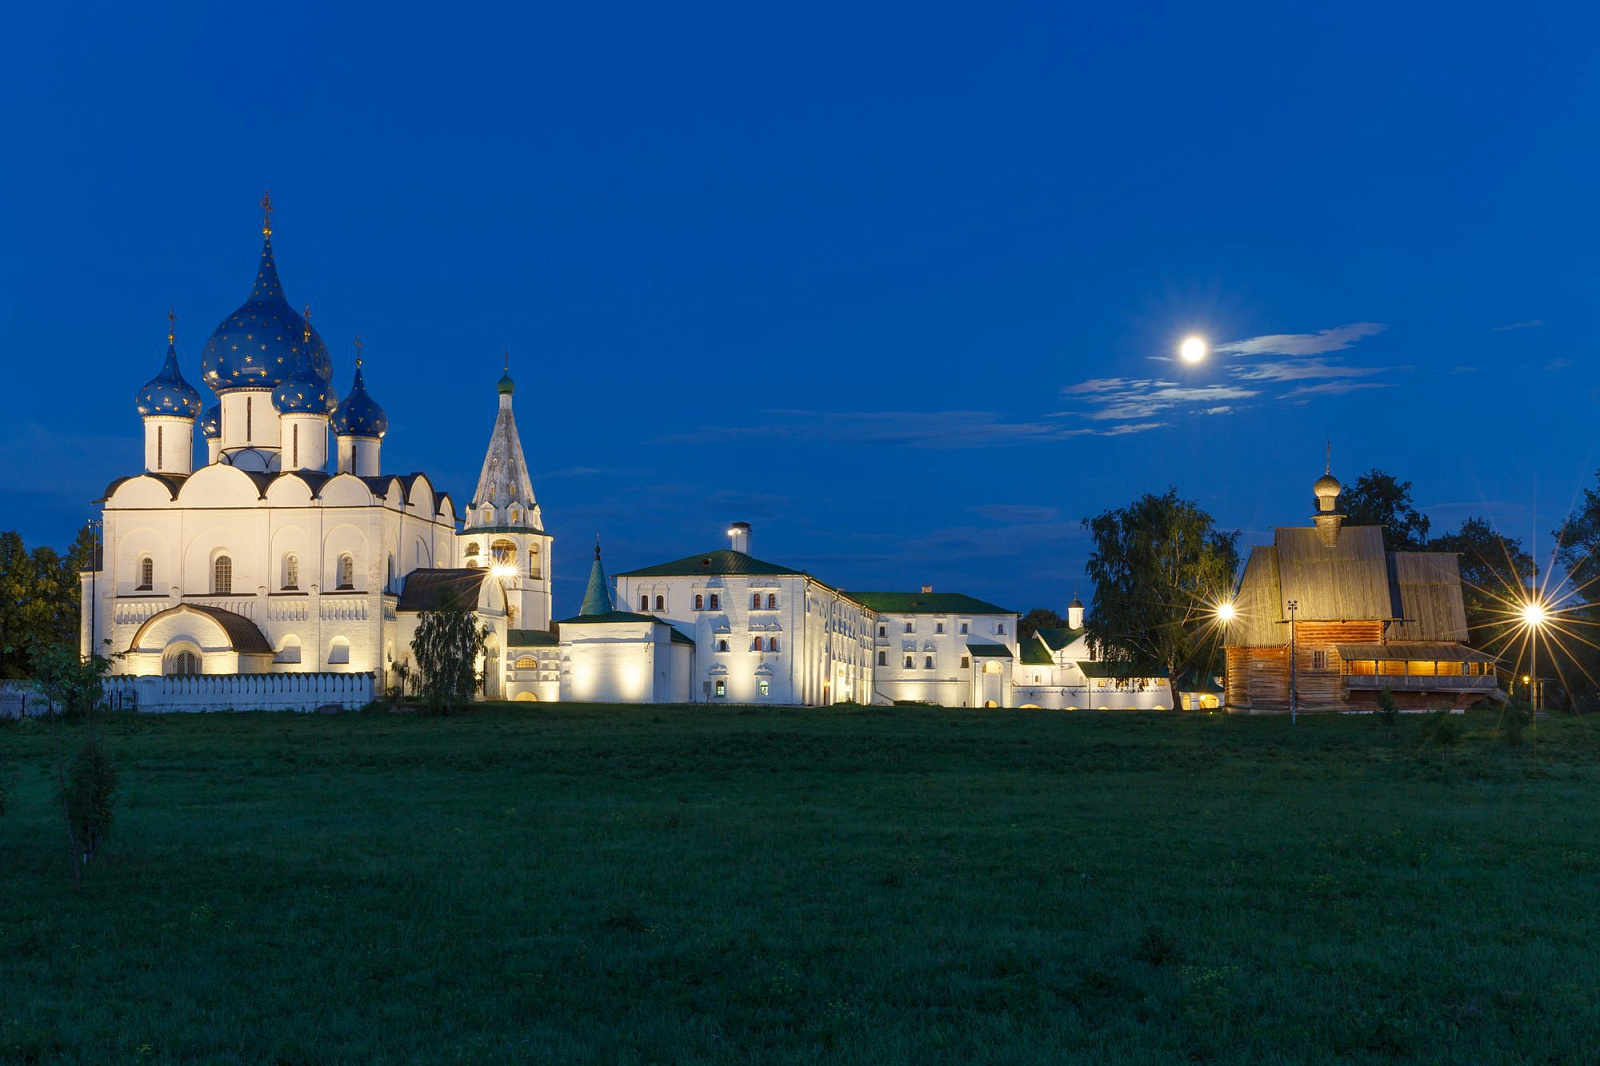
883,631
883,658
938,627
966,661
963,629
1319,660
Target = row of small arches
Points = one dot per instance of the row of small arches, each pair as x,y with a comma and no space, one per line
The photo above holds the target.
758,644
503,553
289,574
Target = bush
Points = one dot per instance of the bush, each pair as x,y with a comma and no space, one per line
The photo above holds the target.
1515,717
1445,729
88,796
1388,713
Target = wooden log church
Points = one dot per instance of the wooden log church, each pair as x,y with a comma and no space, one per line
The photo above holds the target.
1325,614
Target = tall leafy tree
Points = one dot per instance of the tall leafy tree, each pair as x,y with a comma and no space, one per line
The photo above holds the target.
1494,571
1379,499
16,590
446,648
40,598
1037,619
1158,567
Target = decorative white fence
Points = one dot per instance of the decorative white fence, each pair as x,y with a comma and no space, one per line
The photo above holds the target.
241,692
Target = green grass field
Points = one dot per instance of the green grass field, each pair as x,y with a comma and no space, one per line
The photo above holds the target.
577,884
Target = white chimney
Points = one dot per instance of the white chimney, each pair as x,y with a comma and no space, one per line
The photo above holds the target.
739,537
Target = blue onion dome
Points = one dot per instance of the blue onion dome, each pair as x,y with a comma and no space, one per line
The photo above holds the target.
303,396
358,415
167,393
211,422
265,342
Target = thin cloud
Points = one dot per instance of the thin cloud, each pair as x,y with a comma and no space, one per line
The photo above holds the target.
1335,388
1016,512
1532,323
919,429
1305,370
1336,339
1131,399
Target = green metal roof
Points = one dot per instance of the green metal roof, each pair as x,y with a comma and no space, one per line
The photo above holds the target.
1120,671
990,651
1056,638
925,603
720,562
1036,653
597,597
531,638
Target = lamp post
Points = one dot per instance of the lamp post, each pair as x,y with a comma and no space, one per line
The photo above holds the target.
1533,616
1225,614
1294,688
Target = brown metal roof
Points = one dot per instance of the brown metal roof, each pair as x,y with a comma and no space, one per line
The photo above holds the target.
242,633
1414,651
442,590
1429,584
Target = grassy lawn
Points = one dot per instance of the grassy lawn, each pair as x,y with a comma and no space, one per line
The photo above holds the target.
576,884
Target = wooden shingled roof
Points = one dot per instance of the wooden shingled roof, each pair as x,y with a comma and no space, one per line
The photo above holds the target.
1418,593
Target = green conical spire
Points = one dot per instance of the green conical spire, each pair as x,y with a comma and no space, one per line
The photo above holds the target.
597,597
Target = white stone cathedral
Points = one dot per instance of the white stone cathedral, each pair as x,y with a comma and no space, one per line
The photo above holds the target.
287,574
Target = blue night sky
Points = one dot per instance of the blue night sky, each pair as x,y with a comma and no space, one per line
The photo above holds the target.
898,285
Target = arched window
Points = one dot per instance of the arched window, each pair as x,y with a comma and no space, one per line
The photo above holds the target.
291,571
339,652
927,662
289,652
758,644
644,603
772,644
222,576
699,603
347,572
910,663
772,601
533,561
883,658
183,663
661,603
147,573
755,602
716,602
390,580
503,553
722,645
527,662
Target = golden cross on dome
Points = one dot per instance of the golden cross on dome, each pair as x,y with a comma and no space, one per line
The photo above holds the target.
266,213
307,317
172,325
508,360
358,349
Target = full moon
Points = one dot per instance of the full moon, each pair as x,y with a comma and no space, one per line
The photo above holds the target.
1192,350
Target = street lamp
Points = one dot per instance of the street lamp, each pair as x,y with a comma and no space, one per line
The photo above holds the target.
1225,614
1294,689
1534,617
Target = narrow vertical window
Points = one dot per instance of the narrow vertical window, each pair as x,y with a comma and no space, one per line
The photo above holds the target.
249,419
699,603
661,603
644,603
160,448
222,576
294,445
716,602
755,602
147,573
291,571
347,572
772,601
772,644
758,644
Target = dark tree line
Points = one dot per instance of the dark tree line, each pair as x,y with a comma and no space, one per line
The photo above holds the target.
39,598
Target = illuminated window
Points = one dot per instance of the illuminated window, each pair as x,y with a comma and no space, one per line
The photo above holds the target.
966,661
147,572
222,576
721,687
527,662
503,553
182,664
764,687
291,571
